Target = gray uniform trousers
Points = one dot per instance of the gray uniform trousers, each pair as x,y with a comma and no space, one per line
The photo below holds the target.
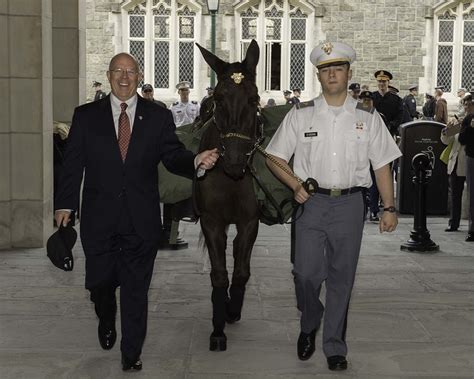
327,246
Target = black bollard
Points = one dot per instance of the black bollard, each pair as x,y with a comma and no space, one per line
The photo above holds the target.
420,236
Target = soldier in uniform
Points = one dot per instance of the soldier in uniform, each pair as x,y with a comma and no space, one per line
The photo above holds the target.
296,95
99,94
184,111
288,98
147,93
387,103
354,90
409,105
333,139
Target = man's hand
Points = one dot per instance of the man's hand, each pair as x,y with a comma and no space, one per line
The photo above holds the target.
300,194
207,159
388,222
62,217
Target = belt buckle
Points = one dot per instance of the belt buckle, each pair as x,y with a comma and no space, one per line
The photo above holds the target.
335,192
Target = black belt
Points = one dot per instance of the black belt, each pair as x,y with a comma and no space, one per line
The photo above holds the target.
339,192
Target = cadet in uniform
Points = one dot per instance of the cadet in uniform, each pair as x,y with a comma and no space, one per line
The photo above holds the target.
288,98
296,95
99,94
388,103
333,139
409,104
354,90
184,111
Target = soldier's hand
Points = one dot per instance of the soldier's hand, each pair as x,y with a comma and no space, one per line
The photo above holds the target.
62,217
388,222
300,194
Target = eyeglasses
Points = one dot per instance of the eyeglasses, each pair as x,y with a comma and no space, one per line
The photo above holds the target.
121,71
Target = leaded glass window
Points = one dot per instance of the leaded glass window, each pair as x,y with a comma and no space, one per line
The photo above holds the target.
282,41
154,26
455,50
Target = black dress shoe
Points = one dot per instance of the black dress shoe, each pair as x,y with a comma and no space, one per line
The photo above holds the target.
451,229
470,237
131,364
337,363
374,217
107,334
306,345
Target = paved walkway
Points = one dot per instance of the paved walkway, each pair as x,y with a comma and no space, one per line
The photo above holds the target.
411,315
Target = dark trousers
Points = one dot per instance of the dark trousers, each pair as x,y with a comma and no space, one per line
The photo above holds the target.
124,259
457,186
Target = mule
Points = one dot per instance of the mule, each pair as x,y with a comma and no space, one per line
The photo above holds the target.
225,195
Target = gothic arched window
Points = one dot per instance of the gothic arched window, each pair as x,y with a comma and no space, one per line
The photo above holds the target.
161,34
455,47
282,30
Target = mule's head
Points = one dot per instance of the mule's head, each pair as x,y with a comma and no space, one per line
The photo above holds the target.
235,108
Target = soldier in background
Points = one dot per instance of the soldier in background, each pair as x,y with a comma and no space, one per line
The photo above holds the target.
184,111
387,103
147,93
354,90
99,94
296,95
288,98
409,104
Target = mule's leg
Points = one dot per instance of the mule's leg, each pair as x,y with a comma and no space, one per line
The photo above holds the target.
216,240
243,244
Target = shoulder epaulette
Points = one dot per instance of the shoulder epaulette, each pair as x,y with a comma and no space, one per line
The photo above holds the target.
365,108
194,102
304,104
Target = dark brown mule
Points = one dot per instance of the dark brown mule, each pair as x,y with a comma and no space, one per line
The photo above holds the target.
225,195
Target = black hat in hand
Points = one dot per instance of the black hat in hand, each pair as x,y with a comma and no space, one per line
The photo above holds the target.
59,247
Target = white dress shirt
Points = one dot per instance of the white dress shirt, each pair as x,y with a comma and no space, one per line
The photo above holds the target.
116,110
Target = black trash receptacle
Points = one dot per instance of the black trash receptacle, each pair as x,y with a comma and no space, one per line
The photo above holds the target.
422,136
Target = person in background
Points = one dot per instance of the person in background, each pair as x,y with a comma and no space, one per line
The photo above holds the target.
429,107
288,98
296,95
270,103
466,138
461,112
354,90
99,94
441,108
184,111
147,93
409,105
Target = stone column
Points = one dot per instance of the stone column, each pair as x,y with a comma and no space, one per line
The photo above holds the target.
26,117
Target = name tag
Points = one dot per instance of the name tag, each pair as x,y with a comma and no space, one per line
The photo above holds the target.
310,134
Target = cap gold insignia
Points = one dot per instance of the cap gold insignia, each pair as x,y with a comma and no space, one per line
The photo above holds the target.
237,77
327,48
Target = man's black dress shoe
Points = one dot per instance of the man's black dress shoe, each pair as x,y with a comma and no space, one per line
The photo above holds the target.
451,229
470,237
337,363
129,364
306,345
107,334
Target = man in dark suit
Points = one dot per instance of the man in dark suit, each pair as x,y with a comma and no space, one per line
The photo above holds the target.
118,142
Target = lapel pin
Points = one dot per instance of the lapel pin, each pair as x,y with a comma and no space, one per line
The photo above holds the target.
140,117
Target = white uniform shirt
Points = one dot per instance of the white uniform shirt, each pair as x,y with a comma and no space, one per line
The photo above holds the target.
184,113
334,147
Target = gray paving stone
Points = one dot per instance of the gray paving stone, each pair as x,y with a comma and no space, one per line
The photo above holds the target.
411,314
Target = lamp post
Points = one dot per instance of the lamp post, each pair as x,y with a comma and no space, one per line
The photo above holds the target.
213,6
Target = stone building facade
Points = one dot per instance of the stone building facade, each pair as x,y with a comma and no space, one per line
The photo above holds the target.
420,42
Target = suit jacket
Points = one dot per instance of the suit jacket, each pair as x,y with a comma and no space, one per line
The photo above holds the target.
108,181
391,106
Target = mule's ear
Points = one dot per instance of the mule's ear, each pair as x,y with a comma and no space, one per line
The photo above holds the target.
215,63
252,56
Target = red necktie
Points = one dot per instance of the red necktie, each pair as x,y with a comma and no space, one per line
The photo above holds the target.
124,131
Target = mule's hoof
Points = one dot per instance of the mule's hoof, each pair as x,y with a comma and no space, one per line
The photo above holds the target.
232,317
218,342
